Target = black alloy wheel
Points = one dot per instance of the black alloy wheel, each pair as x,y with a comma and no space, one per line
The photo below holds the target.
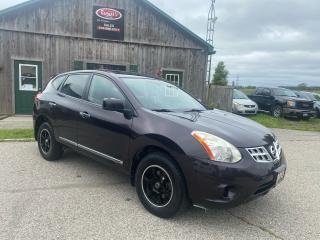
49,148
160,185
157,186
45,141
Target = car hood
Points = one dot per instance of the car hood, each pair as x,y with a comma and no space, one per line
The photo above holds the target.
239,131
244,101
296,99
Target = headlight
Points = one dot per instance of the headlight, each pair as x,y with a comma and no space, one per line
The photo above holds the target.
238,105
291,104
217,148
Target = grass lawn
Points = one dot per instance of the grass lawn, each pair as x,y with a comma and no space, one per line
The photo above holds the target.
283,123
247,90
16,133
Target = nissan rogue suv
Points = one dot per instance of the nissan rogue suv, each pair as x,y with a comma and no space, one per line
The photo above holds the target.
174,150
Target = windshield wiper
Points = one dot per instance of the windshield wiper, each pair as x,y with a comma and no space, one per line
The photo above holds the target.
195,110
162,110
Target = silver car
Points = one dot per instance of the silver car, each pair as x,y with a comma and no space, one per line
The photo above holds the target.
242,104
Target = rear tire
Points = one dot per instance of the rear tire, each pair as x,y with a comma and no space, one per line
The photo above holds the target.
277,111
318,112
49,148
160,185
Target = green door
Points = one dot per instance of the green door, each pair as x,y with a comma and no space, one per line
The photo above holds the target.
28,82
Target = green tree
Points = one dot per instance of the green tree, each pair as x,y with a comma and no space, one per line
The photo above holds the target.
302,86
220,77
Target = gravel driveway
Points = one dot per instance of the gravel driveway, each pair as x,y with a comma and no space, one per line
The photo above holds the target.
77,198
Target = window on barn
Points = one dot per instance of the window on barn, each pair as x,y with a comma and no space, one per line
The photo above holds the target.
174,77
101,66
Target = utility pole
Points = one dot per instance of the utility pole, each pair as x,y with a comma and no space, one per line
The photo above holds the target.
237,84
212,19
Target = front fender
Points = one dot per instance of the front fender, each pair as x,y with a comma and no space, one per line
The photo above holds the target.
280,101
155,140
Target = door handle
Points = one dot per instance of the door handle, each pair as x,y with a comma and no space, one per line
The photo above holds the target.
85,115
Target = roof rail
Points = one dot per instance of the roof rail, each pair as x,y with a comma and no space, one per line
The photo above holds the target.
131,73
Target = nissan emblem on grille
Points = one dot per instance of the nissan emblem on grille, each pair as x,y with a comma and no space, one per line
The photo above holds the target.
260,154
275,150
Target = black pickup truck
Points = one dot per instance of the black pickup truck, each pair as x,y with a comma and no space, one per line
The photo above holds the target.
282,102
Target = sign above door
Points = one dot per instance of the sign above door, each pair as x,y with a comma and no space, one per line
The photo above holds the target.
108,23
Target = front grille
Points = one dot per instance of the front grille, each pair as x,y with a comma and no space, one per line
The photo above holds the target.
250,111
250,106
261,154
304,105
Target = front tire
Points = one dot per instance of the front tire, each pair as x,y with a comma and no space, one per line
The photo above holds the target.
49,148
277,111
160,185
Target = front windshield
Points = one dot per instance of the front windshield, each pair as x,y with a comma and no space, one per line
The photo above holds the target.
161,96
284,92
239,95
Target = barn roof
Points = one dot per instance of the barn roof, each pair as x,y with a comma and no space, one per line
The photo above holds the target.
157,10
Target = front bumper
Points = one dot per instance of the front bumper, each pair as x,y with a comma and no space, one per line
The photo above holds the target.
225,185
245,111
291,112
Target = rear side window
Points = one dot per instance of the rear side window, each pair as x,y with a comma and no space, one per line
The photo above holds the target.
58,81
75,84
259,91
266,92
102,88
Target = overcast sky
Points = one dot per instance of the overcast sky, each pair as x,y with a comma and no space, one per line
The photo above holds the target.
263,42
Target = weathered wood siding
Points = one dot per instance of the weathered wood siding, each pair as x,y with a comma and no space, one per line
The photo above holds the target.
58,32
74,18
58,53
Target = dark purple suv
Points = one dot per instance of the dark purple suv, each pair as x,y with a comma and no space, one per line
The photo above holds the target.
174,150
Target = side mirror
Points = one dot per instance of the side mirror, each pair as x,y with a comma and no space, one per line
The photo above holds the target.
117,105
113,104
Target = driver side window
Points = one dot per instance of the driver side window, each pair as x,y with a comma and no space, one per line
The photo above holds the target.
101,88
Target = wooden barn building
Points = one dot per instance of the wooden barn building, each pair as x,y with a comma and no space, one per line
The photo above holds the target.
41,38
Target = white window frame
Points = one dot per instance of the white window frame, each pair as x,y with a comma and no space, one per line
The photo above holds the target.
174,75
36,77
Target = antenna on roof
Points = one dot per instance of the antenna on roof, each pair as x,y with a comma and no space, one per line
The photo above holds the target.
212,19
